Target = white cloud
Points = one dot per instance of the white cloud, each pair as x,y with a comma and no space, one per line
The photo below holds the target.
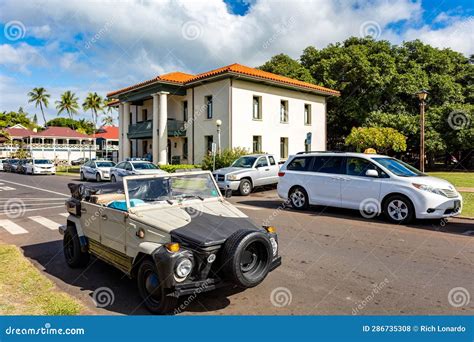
20,57
41,32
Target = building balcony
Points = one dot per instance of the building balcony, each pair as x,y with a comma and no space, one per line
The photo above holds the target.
144,129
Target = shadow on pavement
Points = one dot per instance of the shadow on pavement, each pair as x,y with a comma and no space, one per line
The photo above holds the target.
452,225
99,274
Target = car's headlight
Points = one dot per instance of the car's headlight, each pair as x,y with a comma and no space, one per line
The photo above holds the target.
274,246
233,177
183,268
429,188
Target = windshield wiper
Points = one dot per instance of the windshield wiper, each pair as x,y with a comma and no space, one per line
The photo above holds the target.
192,196
157,199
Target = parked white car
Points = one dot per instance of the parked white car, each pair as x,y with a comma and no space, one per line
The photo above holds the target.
1,164
96,170
134,167
39,167
371,183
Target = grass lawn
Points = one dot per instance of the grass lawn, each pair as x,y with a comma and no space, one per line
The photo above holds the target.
468,204
458,179
25,291
68,171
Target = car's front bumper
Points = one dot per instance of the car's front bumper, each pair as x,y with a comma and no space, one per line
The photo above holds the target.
227,184
434,206
44,171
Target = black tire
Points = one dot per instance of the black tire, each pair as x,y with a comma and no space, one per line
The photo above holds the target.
75,257
245,187
83,178
299,198
157,299
398,209
98,178
113,179
246,258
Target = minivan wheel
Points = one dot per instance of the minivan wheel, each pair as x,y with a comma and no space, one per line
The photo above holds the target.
245,187
156,298
75,257
399,209
299,198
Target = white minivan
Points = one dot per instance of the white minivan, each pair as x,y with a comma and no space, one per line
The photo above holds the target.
371,183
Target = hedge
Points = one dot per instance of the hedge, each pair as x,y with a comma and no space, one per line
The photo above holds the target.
171,168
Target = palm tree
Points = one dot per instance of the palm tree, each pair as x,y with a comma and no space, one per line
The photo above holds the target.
94,103
40,97
68,104
108,120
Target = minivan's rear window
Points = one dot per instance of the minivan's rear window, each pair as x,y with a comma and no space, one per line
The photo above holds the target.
300,164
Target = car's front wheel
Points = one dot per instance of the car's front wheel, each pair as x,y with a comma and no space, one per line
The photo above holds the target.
298,198
155,297
399,209
75,257
83,178
98,178
245,187
113,179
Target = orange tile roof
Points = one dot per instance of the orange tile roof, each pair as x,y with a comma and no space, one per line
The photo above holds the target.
108,132
238,69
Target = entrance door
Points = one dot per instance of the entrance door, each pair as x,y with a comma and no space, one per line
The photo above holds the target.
169,151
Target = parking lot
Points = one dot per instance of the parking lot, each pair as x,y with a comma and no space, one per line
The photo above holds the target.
334,261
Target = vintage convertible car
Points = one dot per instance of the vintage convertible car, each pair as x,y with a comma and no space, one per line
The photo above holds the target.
175,233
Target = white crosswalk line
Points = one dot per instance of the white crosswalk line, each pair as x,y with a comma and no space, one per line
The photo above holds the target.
12,228
64,214
45,222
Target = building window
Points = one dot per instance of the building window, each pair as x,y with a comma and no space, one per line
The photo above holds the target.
144,115
185,148
185,111
283,148
284,111
307,114
209,106
257,143
257,108
209,140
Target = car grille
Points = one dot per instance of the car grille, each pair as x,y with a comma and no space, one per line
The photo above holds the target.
219,178
450,193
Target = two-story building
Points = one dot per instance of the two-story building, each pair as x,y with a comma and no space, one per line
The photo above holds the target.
177,117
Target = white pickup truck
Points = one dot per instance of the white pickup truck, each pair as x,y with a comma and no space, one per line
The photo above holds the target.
248,172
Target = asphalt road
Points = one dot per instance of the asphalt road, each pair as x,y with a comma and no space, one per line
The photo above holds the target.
334,261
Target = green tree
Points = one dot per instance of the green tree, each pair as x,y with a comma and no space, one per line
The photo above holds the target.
94,103
286,66
68,104
227,157
85,125
8,119
40,97
108,120
382,139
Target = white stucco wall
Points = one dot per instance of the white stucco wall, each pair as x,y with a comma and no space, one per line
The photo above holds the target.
270,127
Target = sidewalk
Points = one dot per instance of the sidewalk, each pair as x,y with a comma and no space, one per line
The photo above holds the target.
465,189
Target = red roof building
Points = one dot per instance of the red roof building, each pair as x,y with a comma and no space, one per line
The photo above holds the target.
108,133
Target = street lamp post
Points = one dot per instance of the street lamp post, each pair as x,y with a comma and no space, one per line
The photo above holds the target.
218,124
422,95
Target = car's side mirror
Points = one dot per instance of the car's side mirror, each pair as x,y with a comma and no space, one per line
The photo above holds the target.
228,193
372,173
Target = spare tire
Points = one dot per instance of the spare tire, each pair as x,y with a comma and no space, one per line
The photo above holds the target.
246,257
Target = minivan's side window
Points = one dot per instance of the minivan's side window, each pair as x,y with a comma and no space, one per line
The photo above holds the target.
359,166
328,164
300,164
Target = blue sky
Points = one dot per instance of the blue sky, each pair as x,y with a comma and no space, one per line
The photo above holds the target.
104,45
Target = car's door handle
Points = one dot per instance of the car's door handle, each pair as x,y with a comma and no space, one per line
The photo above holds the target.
104,217
267,169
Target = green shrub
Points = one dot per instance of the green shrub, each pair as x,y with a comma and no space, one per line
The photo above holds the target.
226,158
171,168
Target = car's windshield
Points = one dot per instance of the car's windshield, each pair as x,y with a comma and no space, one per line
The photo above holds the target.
399,168
144,166
246,162
42,161
170,188
105,164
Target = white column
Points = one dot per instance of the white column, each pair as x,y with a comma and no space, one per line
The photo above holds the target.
126,123
163,128
154,134
120,117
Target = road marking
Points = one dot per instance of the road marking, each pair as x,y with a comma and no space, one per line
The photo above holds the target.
36,188
35,209
45,222
247,207
64,214
12,228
